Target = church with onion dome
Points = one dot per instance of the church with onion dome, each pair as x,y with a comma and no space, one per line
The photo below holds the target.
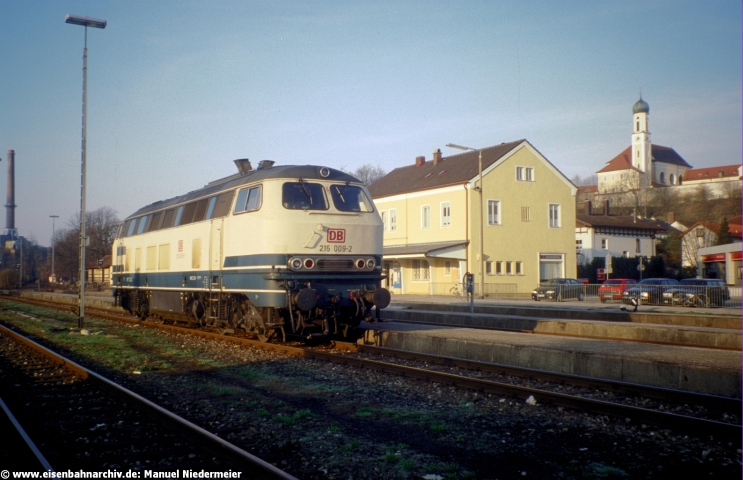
642,164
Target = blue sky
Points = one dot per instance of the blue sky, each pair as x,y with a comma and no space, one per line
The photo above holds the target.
178,89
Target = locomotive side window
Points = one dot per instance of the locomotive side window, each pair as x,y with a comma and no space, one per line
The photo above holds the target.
200,210
157,220
168,218
128,228
142,223
304,196
187,214
249,199
210,208
178,215
222,207
347,198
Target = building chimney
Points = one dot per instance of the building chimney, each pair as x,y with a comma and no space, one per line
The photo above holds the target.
671,217
420,160
589,208
606,207
436,157
10,203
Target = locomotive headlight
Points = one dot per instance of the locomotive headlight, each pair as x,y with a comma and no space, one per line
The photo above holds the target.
370,263
360,263
296,263
309,263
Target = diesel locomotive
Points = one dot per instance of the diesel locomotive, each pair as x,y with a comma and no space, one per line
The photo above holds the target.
276,251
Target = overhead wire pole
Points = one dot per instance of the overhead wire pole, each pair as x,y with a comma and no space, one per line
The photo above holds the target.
54,276
482,224
85,22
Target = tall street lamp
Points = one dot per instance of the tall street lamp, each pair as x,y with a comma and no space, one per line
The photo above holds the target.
85,22
54,277
482,225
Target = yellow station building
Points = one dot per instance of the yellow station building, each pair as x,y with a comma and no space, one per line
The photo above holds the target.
434,221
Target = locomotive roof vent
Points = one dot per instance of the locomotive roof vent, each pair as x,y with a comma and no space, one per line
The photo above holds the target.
243,165
265,164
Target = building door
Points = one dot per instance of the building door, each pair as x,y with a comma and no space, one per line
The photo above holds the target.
550,266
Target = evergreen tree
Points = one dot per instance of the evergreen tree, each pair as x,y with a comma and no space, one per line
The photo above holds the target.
723,237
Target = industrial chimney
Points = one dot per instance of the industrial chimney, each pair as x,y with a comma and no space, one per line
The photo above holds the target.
10,230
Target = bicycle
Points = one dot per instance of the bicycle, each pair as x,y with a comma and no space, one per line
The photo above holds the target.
457,292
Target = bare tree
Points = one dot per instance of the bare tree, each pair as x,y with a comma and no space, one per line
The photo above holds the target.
367,173
702,198
732,193
100,227
665,198
591,179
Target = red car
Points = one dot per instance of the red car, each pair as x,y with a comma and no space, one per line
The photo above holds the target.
613,288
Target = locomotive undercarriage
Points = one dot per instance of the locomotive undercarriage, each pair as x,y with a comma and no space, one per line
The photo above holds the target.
306,315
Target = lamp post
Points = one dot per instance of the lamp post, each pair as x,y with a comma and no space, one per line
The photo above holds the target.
85,22
482,225
54,277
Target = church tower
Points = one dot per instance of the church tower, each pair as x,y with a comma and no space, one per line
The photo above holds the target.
641,153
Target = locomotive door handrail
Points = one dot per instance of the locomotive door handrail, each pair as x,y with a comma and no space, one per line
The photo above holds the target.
216,239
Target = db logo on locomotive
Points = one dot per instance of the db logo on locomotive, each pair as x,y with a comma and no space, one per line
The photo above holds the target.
336,235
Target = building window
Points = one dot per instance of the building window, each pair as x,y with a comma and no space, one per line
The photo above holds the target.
493,212
637,245
445,214
663,177
579,244
604,243
393,219
499,268
447,268
421,270
672,179
489,268
525,174
509,268
625,254
425,217
383,214
554,215
519,268
525,214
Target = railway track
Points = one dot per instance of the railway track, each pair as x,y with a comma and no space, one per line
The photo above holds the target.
77,419
677,410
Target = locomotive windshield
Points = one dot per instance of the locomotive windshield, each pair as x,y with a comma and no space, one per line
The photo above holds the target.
347,198
304,196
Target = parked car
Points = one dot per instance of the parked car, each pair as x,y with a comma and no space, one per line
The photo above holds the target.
698,292
613,288
648,290
559,289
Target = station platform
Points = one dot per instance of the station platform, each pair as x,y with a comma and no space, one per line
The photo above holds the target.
705,370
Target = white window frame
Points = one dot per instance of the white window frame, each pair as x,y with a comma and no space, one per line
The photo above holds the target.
383,216
425,217
445,219
554,220
604,244
524,174
497,220
393,219
447,268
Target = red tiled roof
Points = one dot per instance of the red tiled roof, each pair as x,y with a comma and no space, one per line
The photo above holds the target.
620,162
728,171
623,161
588,189
736,230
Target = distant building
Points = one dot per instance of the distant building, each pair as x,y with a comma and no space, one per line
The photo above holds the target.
433,222
642,165
703,235
722,261
601,234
